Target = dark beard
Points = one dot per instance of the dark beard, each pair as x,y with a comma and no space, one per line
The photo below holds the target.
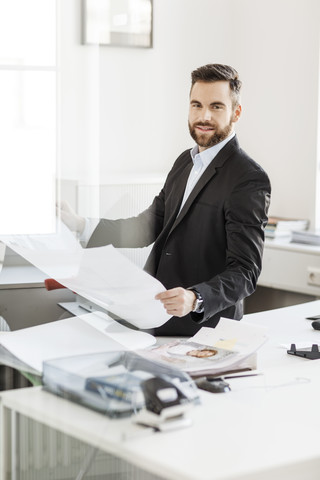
217,137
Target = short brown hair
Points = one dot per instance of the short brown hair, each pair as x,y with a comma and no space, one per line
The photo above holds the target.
215,72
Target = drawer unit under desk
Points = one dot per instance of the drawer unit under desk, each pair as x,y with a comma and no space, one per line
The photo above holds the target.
292,267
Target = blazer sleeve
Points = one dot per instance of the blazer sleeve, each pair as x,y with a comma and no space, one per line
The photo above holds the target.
138,231
246,212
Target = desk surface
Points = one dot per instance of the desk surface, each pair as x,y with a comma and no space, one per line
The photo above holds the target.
285,326
266,427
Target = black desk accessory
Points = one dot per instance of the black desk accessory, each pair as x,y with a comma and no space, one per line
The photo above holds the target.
312,354
213,385
160,394
166,406
313,317
316,324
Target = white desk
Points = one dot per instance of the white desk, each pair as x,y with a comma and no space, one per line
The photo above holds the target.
266,427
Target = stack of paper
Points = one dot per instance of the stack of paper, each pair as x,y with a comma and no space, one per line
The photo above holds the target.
28,348
307,237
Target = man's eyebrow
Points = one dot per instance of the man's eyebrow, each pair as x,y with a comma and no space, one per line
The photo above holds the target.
195,101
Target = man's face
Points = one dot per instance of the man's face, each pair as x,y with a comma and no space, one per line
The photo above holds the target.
211,113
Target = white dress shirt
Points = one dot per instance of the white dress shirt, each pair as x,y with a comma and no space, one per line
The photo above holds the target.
201,160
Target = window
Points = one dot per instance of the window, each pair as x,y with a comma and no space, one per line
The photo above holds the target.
27,116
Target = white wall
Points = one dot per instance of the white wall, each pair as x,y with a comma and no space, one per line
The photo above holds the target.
279,61
124,111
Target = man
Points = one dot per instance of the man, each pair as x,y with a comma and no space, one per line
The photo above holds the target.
207,223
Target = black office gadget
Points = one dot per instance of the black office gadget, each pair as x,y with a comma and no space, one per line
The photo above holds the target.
213,384
166,407
316,324
312,353
160,394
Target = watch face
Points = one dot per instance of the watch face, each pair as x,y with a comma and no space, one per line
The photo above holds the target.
197,306
198,303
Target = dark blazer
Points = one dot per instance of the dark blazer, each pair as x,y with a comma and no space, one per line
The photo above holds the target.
216,242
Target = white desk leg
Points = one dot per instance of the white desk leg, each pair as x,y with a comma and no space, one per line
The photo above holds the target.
5,443
14,436
89,458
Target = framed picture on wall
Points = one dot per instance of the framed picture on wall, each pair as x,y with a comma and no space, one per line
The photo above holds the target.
126,23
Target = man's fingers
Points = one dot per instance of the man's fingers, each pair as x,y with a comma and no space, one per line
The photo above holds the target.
177,301
168,294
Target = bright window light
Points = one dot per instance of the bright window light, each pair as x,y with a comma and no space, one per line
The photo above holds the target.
27,116
28,32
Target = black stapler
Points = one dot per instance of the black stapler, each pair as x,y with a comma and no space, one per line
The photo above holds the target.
165,405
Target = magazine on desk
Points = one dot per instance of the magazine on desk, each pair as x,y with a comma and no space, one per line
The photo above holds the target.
228,347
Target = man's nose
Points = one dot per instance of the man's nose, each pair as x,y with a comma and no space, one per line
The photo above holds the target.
206,114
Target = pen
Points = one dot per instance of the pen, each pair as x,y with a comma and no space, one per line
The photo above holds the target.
222,377
245,375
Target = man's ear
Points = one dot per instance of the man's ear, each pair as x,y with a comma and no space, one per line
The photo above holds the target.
237,113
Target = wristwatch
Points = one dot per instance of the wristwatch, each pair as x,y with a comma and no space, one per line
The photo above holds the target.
198,306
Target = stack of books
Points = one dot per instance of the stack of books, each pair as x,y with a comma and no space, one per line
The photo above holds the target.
283,227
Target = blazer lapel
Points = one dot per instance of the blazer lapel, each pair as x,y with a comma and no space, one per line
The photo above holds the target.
180,187
207,175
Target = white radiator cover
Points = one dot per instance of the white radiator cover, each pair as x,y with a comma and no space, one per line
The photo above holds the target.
43,453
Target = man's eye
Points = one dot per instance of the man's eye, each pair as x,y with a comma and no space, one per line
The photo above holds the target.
217,107
196,105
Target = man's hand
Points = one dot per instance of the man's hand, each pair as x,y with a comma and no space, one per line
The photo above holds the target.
177,301
70,218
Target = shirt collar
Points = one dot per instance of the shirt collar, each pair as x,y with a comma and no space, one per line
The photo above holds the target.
210,153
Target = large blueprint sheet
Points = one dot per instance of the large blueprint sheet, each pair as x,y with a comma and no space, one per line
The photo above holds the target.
102,275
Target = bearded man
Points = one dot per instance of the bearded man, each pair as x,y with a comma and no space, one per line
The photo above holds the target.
207,223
